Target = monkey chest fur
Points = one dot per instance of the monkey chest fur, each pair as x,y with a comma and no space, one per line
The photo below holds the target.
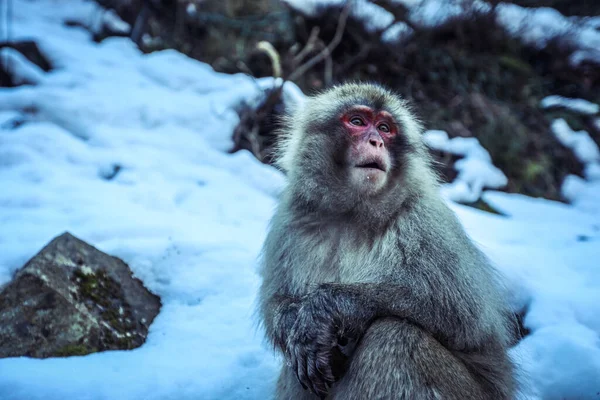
344,257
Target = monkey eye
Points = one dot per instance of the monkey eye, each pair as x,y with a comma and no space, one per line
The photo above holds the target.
384,128
357,121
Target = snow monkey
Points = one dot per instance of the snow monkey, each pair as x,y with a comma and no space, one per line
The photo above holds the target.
371,287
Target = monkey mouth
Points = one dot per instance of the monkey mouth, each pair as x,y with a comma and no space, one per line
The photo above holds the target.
372,164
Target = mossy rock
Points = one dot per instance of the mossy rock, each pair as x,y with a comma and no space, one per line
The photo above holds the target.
71,350
72,299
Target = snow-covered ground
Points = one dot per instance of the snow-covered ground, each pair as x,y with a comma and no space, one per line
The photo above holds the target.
190,219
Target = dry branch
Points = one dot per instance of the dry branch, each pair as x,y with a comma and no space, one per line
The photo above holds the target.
326,52
273,55
310,45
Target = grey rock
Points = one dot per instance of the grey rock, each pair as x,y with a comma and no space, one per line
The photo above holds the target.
72,299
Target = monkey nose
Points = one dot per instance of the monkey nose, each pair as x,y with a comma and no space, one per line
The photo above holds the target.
376,141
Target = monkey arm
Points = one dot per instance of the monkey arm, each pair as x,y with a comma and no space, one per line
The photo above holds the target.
337,310
280,313
451,319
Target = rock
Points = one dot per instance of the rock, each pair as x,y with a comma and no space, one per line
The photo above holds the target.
72,299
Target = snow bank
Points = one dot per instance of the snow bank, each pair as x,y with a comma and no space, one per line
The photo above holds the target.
114,22
534,26
20,68
128,152
577,105
584,147
373,16
475,169
585,194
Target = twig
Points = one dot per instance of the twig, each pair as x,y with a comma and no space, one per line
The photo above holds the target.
273,55
362,54
365,49
301,70
310,45
139,27
328,74
245,69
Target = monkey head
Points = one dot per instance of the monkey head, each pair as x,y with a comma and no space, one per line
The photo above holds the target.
354,146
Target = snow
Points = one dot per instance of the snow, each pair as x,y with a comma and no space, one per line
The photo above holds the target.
374,17
539,26
396,32
584,147
593,22
584,193
112,20
22,71
580,106
189,219
534,26
191,9
475,168
431,13
592,171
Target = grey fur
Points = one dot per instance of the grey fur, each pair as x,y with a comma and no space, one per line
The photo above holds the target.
393,274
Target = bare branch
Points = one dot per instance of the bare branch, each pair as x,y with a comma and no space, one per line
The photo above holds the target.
326,52
310,45
273,55
141,23
328,75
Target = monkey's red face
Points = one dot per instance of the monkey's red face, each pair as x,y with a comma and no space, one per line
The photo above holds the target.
371,133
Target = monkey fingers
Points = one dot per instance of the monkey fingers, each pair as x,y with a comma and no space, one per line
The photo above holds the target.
318,366
310,347
312,364
293,353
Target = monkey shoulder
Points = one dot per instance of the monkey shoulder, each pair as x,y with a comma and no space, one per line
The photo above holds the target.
430,233
436,250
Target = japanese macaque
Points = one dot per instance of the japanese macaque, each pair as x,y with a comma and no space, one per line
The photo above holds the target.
371,287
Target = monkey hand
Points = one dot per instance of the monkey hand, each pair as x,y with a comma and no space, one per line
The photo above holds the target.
312,345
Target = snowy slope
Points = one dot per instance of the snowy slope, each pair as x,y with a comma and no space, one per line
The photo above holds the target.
190,219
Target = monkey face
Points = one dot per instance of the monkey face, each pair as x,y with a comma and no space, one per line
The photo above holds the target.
353,149
369,133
